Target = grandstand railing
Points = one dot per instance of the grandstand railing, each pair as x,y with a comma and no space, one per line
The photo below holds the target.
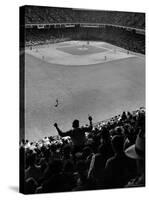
85,25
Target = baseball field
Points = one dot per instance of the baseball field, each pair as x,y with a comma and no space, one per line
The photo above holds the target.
69,80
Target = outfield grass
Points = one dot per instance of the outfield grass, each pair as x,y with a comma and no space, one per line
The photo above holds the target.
102,90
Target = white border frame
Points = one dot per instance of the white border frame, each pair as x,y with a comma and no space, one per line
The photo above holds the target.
9,139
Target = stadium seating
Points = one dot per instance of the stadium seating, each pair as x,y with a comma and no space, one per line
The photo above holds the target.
128,40
50,166
43,15
111,31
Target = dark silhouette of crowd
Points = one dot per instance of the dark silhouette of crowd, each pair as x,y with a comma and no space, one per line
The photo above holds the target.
108,154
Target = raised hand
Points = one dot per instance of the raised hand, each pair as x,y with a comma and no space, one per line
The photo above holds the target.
90,118
56,125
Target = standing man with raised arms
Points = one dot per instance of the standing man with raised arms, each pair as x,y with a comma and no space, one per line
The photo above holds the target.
77,134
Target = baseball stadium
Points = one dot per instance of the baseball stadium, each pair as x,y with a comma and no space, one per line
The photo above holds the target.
81,64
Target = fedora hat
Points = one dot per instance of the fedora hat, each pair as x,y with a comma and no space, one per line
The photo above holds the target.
137,151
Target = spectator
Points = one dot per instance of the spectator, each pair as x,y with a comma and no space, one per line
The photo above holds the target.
117,167
97,166
55,182
137,152
82,181
66,153
124,116
69,177
77,134
33,170
106,142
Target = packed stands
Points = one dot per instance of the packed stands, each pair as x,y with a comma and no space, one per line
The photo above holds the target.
44,15
106,159
120,37
53,24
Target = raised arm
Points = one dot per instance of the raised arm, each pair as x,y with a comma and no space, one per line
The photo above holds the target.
88,129
60,132
90,121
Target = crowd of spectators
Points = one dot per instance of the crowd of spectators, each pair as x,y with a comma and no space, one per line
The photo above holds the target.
128,40
44,36
43,15
108,154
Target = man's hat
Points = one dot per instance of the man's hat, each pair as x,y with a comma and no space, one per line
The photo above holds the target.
137,151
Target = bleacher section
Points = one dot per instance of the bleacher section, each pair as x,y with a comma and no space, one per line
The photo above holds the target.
45,15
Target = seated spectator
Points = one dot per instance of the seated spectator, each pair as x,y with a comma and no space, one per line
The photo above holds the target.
55,182
141,120
87,154
117,167
130,137
66,152
105,140
119,131
68,173
124,116
33,170
82,180
137,152
97,166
